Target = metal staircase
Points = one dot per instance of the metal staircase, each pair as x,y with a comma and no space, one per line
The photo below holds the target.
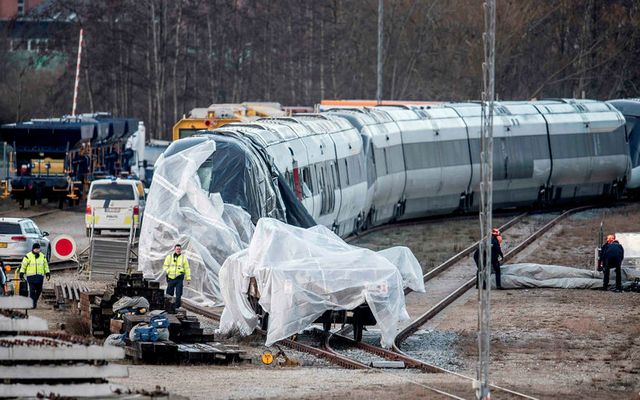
110,255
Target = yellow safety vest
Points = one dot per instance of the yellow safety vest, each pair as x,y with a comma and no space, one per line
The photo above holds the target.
34,266
177,266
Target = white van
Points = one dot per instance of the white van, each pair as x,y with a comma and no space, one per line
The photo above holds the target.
114,205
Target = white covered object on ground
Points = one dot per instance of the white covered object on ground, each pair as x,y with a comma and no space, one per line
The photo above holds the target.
178,210
527,275
301,273
631,243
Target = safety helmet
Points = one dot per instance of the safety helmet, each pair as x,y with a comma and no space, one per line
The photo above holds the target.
7,268
611,238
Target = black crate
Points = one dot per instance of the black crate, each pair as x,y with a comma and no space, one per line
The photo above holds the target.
153,284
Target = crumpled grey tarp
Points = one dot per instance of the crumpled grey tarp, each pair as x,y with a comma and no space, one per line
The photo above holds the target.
528,275
178,210
130,302
301,273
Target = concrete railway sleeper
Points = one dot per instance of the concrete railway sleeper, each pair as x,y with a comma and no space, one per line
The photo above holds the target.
318,352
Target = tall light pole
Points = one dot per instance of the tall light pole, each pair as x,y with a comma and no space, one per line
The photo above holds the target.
380,49
486,199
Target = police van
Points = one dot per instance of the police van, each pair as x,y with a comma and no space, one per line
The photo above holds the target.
114,205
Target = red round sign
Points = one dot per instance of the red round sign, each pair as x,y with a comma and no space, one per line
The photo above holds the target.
64,247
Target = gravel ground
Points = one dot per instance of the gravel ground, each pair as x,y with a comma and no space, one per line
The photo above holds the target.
439,348
432,242
555,343
210,382
355,353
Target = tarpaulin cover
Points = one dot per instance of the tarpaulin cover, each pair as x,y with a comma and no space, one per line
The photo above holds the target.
301,273
178,210
244,174
517,276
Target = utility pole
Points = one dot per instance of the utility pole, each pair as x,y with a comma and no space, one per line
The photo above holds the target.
380,49
77,82
486,200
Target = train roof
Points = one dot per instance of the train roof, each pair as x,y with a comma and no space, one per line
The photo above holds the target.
58,135
629,107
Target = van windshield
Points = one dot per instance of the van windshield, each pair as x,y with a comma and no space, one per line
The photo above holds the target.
112,191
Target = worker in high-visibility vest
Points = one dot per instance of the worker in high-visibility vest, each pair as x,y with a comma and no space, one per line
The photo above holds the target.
35,267
176,266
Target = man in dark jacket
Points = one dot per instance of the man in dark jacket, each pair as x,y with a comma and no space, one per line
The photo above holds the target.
496,257
603,249
612,258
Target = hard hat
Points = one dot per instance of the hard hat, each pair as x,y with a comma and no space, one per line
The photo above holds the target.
7,268
611,238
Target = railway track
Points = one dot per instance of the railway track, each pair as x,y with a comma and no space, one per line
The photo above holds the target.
464,388
420,221
467,281
411,362
325,351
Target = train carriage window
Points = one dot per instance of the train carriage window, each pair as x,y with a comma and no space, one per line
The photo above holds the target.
394,159
346,172
380,161
205,173
288,177
385,158
307,184
334,175
371,166
320,175
354,170
324,190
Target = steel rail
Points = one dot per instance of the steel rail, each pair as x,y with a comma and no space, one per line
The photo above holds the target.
451,261
442,304
413,363
329,355
413,222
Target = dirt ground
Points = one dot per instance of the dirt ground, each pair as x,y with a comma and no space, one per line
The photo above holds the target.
557,344
432,242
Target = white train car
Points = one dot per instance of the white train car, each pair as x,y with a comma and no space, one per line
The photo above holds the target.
353,168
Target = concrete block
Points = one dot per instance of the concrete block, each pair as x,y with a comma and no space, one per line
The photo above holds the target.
387,364
51,350
52,372
15,303
70,390
22,324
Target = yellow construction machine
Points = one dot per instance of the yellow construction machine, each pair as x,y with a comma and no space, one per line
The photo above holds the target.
217,115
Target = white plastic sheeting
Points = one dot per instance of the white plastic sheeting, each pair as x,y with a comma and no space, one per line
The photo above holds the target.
631,244
301,273
526,275
178,210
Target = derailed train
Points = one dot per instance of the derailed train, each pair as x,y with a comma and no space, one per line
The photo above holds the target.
352,168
